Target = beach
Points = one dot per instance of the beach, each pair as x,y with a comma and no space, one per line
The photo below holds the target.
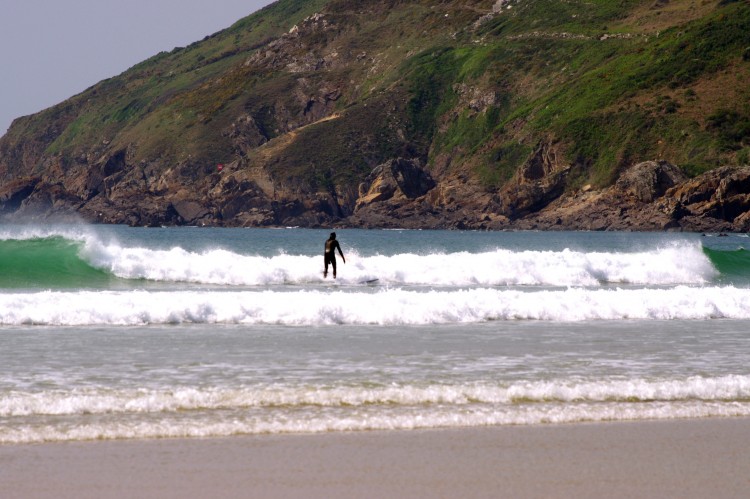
682,458
189,362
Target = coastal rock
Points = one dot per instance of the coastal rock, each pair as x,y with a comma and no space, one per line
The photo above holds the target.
240,196
189,210
721,195
245,134
397,179
12,194
539,181
649,180
655,195
47,201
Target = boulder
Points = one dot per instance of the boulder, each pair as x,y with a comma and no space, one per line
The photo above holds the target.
398,178
190,210
649,180
722,194
538,182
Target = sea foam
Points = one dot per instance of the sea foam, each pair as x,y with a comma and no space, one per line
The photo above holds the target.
384,307
83,401
679,264
191,412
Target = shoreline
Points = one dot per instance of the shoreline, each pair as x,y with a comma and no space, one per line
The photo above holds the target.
691,458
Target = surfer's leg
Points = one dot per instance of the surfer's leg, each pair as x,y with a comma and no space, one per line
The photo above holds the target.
325,270
333,264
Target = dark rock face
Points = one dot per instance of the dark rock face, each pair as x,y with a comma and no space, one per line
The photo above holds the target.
728,202
655,196
245,134
14,193
538,182
399,177
392,194
649,180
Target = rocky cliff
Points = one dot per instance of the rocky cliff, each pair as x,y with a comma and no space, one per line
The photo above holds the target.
528,114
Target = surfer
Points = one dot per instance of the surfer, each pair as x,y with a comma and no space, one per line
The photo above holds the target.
330,254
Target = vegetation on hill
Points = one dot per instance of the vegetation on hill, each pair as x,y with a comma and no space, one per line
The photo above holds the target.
319,92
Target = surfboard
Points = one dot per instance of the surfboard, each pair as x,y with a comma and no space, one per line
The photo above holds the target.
369,281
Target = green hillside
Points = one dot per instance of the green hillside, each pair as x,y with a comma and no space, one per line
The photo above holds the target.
317,93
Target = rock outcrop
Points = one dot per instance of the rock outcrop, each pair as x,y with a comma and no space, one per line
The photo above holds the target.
538,182
393,193
655,195
397,180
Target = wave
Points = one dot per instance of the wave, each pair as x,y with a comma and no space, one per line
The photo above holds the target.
188,411
86,261
733,265
368,419
96,401
673,265
49,261
379,307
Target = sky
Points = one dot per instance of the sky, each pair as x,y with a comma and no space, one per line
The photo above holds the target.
51,50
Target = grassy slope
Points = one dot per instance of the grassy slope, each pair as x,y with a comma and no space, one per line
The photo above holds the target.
669,81
618,100
145,105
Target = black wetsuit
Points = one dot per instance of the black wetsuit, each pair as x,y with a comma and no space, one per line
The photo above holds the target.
329,256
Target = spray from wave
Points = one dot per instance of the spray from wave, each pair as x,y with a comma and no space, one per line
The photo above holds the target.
54,260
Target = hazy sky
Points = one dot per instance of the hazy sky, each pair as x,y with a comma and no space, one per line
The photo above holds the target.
51,50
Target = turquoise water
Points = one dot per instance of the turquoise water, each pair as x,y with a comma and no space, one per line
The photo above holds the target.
115,332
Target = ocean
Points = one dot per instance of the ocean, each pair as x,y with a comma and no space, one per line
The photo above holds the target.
112,332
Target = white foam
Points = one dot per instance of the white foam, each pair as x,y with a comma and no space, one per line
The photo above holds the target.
74,232
98,414
274,423
130,401
680,264
385,307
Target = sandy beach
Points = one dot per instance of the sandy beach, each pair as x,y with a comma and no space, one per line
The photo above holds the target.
685,459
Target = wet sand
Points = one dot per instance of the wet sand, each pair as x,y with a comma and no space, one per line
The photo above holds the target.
680,459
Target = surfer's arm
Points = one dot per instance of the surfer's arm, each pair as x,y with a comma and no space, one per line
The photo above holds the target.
338,247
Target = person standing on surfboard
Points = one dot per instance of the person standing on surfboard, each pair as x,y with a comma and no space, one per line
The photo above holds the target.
330,254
